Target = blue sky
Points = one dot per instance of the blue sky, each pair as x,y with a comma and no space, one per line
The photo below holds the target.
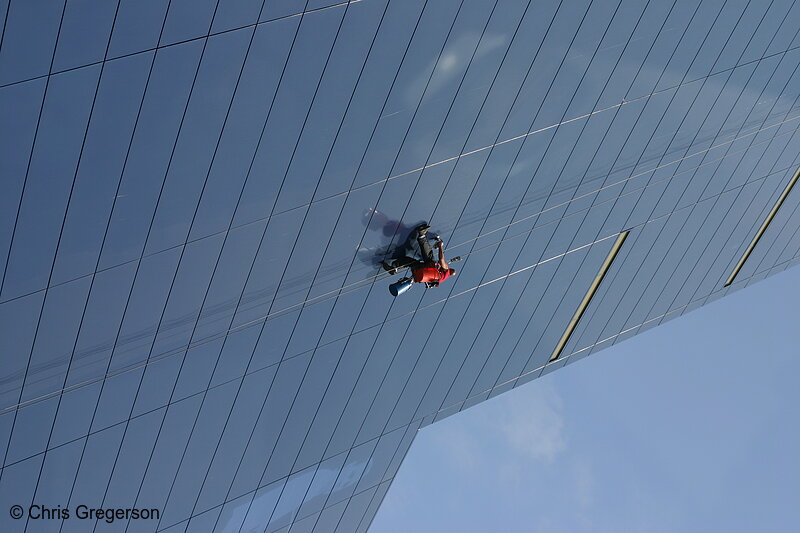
691,426
195,196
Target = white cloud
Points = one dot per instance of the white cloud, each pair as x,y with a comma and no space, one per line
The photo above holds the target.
524,427
452,62
533,425
583,481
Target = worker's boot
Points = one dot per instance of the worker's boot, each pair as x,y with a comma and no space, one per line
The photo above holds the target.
389,268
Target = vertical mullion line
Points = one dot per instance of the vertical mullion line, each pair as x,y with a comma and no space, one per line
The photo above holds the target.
522,197
667,215
669,144
208,288
188,241
540,368
361,370
728,150
226,501
508,114
772,244
614,336
742,216
641,297
559,256
505,233
262,327
5,23
778,262
597,150
456,94
599,341
169,401
384,430
543,366
656,203
371,349
652,136
52,393
266,121
763,229
580,248
222,347
721,131
177,43
261,331
278,286
519,298
469,290
779,185
788,264
477,45
14,231
252,353
494,79
365,230
577,141
664,315
99,255
635,164
55,256
283,70
327,504
361,310
382,479
762,142
783,228
155,49
362,159
184,41
524,194
767,116
33,144
366,58
144,245
730,175
546,199
375,127
793,255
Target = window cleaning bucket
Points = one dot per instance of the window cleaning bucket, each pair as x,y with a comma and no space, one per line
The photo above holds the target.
401,286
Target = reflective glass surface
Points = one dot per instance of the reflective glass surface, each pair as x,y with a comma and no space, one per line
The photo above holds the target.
196,197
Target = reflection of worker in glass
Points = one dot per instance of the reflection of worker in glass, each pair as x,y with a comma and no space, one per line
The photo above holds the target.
429,270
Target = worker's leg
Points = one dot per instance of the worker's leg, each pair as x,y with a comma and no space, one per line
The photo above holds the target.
405,262
425,248
394,265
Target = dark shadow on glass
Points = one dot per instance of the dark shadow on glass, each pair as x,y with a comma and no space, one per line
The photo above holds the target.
387,228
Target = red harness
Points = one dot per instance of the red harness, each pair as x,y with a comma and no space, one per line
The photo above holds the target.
430,274
426,274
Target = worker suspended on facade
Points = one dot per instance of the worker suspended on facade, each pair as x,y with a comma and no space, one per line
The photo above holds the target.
430,270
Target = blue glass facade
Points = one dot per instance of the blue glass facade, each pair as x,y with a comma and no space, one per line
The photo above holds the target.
196,195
